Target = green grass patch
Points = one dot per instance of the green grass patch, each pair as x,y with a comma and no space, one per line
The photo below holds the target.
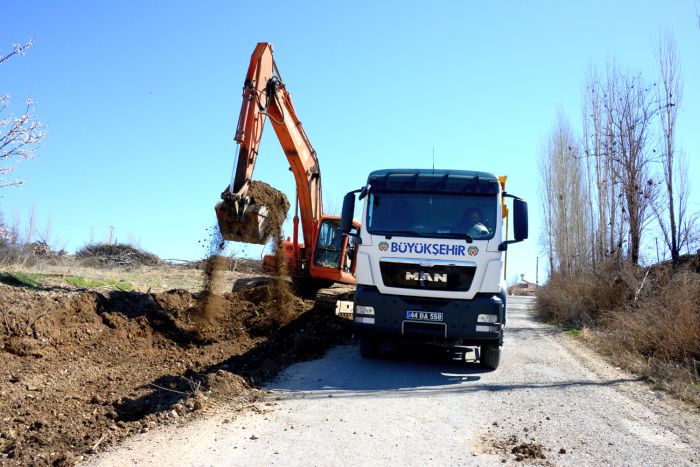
574,332
21,279
82,282
124,286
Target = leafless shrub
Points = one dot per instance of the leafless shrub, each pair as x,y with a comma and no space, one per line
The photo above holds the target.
647,320
17,254
664,322
115,255
584,298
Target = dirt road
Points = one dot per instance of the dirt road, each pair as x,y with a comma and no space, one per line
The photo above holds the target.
552,402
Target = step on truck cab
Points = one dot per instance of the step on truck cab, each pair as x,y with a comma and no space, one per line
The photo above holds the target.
430,258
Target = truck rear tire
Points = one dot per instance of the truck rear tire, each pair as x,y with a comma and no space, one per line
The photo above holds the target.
490,355
369,347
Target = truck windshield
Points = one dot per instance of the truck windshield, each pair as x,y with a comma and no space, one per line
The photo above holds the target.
436,214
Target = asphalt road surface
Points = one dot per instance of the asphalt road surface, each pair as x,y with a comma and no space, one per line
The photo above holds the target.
550,397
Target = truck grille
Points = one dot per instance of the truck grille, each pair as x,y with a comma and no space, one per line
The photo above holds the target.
451,278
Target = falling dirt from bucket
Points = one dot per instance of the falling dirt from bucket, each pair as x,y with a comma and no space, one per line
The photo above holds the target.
280,298
214,266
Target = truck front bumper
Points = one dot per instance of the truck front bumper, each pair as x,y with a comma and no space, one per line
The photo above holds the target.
387,316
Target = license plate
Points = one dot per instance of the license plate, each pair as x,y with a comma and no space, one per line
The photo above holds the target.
423,316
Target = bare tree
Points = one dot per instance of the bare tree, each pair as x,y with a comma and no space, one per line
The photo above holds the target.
671,208
601,138
47,231
565,201
20,136
616,228
598,167
631,110
14,230
5,234
547,195
31,224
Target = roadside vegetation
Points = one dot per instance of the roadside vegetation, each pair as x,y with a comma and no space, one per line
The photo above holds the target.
646,320
617,222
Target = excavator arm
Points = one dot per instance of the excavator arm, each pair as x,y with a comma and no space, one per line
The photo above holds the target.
265,96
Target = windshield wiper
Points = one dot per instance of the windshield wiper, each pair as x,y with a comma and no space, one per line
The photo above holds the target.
465,236
412,233
393,233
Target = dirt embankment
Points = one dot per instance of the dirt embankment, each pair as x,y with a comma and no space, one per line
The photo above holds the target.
81,370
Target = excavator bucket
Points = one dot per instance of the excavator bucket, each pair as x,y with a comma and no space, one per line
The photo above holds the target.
251,227
255,218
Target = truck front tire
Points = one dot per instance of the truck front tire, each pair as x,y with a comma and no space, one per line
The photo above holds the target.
490,355
369,346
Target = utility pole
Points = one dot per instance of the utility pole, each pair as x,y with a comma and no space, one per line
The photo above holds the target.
537,270
657,250
505,256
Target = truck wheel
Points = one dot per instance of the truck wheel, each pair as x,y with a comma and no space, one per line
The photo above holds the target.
490,355
369,347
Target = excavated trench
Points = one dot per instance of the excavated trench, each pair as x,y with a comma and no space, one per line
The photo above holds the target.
84,369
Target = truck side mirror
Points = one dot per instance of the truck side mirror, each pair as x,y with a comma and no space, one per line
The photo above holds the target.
348,212
519,222
519,219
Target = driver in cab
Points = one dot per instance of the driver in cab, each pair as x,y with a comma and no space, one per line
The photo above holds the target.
472,221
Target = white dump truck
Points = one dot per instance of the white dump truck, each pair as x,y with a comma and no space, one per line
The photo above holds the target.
430,257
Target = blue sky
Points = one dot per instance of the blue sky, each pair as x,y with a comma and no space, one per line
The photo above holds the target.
141,99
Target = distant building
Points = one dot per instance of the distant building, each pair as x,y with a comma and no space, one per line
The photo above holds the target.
523,287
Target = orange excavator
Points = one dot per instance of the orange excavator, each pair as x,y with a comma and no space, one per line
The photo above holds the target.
325,255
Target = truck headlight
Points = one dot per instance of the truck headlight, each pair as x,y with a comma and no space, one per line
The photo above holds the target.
487,319
364,310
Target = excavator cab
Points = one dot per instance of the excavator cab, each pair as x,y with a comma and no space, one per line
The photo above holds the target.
329,245
332,260
334,253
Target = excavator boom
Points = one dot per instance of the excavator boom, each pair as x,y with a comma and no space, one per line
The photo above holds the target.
241,216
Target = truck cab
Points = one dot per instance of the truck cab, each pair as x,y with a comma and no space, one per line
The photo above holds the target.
430,258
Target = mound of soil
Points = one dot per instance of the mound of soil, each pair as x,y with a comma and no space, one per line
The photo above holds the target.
116,254
521,450
81,370
528,451
262,194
